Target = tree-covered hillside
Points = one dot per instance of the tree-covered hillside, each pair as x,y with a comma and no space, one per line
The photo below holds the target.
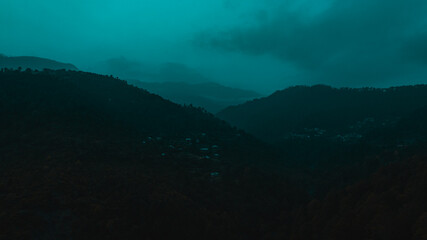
88,156
322,110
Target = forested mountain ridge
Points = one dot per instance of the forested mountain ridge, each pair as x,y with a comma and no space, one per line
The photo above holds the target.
89,156
335,136
95,102
304,111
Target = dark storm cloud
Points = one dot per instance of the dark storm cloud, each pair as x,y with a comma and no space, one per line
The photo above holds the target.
263,45
353,42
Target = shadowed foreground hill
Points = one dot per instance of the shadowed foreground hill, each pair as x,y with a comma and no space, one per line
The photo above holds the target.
34,63
90,157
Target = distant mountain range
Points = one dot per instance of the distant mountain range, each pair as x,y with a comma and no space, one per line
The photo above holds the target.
35,63
211,96
172,81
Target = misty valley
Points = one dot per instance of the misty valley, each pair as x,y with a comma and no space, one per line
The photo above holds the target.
90,156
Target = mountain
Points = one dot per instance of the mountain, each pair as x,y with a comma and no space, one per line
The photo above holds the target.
87,156
92,103
210,96
34,63
332,137
345,113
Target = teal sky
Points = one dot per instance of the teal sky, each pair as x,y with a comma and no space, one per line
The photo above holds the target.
253,44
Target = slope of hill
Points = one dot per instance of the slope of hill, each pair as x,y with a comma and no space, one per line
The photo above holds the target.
304,112
34,63
390,204
210,96
333,136
86,156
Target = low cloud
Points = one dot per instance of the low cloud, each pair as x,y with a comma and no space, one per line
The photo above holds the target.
135,70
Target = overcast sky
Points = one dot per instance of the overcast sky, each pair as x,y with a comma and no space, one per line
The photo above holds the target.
262,45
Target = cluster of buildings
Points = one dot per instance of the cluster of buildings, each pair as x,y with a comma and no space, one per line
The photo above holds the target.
199,146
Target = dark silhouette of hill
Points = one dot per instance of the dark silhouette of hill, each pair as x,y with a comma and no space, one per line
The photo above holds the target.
303,111
35,63
210,96
90,157
330,137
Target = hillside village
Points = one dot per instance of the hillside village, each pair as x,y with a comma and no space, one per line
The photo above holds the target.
200,146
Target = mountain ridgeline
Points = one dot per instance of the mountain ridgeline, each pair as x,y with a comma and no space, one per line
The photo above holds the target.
336,137
322,110
34,63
